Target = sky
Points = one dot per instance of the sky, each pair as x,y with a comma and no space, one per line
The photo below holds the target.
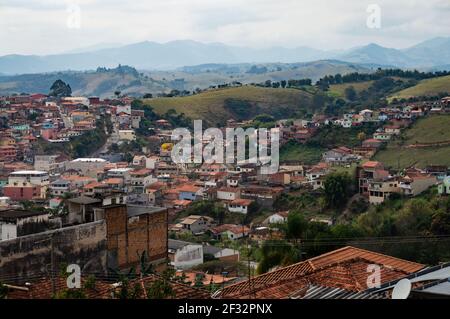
57,26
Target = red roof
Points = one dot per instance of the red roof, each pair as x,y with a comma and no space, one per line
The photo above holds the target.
342,268
372,164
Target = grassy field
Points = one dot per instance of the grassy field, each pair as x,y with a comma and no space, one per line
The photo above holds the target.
426,130
240,103
427,87
338,90
300,153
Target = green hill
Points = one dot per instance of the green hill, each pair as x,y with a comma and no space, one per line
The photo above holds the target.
338,90
428,87
240,103
433,129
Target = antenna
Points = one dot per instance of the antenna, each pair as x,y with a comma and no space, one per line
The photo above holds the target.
402,289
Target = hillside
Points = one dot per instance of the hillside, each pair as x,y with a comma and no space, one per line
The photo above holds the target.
433,129
241,103
428,87
338,90
102,82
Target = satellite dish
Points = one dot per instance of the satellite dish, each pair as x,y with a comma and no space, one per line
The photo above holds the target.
402,289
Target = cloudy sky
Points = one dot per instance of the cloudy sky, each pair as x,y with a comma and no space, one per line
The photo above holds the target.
55,26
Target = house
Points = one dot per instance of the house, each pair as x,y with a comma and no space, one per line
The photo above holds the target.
317,171
263,195
380,190
368,172
382,136
392,129
280,178
340,155
188,192
17,223
233,180
439,171
49,163
293,170
127,135
228,193
239,206
372,143
345,270
184,255
27,185
444,186
59,187
367,115
87,166
223,254
277,218
195,224
230,231
415,181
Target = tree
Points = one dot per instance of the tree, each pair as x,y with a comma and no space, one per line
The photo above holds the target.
60,89
415,218
117,93
440,224
350,93
283,83
296,225
161,288
337,189
276,253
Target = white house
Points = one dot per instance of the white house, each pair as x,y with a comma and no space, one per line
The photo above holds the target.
278,217
228,193
184,255
239,206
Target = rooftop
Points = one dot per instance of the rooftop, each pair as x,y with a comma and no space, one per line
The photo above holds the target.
14,214
341,268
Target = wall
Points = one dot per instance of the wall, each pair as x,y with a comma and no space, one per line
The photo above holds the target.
84,245
130,236
188,257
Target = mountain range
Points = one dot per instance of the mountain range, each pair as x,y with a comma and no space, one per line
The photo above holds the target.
430,54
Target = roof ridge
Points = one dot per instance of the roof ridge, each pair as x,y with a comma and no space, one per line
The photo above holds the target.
388,256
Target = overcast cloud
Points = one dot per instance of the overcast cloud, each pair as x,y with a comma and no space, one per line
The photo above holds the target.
41,26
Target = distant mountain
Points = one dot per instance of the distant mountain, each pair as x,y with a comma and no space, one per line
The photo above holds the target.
168,56
434,53
431,53
152,55
374,53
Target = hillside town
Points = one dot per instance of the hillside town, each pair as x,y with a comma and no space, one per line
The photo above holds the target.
113,203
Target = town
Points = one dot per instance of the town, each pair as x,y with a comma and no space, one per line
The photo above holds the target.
91,181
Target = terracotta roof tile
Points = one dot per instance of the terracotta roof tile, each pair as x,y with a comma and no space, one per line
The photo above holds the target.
344,268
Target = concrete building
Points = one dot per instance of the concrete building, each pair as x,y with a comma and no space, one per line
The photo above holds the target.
16,223
381,190
127,135
184,255
27,185
87,166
